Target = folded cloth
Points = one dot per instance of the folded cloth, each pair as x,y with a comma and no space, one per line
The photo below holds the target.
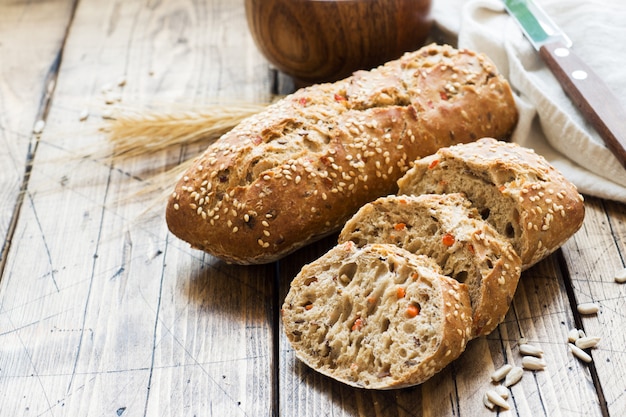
549,122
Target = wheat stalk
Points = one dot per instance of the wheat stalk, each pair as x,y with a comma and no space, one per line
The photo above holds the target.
136,134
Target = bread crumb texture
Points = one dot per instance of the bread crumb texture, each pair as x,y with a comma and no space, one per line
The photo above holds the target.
451,232
298,170
513,188
376,317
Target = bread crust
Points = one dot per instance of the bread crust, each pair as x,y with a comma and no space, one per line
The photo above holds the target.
518,191
447,229
356,330
297,171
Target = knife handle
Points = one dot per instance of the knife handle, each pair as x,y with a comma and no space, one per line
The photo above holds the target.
590,94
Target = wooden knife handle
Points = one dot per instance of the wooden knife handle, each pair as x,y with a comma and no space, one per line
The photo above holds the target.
590,94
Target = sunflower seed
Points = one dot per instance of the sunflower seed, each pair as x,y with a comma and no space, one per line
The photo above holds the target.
579,353
83,115
501,372
514,376
620,276
497,400
573,335
533,363
527,349
488,403
581,333
587,342
112,97
107,114
588,308
502,391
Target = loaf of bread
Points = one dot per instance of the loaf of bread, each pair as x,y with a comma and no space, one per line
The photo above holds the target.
297,171
446,229
376,317
516,190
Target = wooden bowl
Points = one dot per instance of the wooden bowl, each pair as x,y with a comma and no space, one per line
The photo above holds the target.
325,40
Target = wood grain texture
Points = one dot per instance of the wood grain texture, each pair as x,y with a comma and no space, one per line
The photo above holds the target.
321,41
31,39
103,312
593,257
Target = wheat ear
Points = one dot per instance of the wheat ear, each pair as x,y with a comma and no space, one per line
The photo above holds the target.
136,134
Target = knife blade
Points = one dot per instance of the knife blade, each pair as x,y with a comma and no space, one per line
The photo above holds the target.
585,88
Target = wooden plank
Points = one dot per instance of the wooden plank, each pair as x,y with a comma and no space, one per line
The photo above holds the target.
31,36
593,257
101,310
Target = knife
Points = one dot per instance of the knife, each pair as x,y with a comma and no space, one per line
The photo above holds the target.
587,91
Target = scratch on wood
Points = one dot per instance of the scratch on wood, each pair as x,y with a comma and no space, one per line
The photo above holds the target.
157,321
91,279
456,410
45,243
96,373
613,232
154,334
14,330
32,364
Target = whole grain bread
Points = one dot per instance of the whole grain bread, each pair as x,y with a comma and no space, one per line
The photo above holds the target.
376,317
297,171
516,190
446,229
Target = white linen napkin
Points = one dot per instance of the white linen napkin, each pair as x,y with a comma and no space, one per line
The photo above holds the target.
549,122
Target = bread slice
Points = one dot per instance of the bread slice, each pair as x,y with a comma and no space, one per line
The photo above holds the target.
514,189
447,229
376,317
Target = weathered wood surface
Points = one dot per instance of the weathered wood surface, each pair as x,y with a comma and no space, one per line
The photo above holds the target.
103,312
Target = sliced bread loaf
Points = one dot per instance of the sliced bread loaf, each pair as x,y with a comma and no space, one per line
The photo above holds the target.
513,188
447,229
376,317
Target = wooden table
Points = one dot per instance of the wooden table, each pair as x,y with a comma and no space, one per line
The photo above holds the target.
103,312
